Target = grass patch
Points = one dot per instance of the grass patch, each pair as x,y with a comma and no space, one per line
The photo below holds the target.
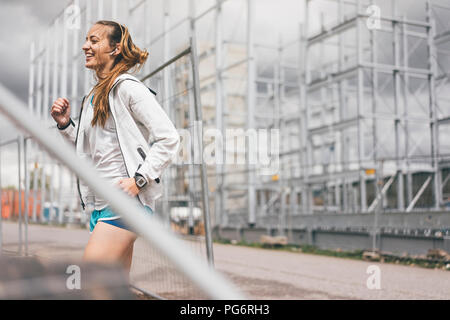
355,255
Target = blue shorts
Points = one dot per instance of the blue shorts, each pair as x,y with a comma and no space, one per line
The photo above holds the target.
106,215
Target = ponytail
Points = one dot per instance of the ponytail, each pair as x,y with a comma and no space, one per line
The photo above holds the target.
130,58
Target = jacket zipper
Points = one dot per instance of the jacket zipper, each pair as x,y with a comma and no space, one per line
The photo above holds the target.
118,142
76,141
142,153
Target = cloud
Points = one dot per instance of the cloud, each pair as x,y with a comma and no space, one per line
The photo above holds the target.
15,38
20,22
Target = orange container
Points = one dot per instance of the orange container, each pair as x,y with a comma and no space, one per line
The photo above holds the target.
10,204
6,204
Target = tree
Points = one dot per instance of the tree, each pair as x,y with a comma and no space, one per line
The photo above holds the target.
38,171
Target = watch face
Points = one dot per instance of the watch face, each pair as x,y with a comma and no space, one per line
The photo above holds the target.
140,182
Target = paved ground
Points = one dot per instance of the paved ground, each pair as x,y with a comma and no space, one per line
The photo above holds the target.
260,273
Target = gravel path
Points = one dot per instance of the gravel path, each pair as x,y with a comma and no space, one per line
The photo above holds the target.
260,273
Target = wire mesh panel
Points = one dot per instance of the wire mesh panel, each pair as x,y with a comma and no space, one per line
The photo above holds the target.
149,228
181,207
152,273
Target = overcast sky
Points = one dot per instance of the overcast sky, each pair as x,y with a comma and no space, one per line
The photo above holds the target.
22,21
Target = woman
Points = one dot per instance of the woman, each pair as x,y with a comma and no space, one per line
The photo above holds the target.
125,133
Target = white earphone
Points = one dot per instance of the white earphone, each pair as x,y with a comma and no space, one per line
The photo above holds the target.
113,52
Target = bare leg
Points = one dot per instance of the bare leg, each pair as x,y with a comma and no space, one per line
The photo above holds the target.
128,258
110,244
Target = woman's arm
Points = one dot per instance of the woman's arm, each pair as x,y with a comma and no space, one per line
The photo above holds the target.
69,132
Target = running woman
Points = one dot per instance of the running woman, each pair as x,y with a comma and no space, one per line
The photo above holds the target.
123,131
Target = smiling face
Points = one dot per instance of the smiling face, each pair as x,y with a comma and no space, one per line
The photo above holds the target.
97,49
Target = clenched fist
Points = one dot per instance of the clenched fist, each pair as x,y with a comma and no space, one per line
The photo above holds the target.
61,112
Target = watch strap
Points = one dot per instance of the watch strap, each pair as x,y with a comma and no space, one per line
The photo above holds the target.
66,126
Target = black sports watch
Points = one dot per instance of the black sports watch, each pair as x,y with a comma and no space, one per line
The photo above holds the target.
140,181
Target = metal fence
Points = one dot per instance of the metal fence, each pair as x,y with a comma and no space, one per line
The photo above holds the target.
151,229
195,232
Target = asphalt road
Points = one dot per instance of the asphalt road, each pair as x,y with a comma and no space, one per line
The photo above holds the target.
259,273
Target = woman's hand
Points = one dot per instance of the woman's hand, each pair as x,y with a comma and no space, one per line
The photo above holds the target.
61,112
129,186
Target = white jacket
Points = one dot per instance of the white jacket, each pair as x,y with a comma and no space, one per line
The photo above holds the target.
147,137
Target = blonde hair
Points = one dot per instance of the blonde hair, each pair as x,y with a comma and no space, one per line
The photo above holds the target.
130,58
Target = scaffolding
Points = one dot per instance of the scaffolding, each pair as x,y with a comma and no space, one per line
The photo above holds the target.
362,109
370,112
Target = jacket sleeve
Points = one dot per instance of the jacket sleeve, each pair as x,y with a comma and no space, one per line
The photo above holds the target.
165,140
70,132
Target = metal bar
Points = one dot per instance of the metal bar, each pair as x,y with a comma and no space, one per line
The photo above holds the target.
276,125
397,124
114,10
55,61
46,90
198,114
158,37
161,35
381,194
31,78
136,6
409,180
39,110
87,72
219,62
43,187
45,115
153,295
1,206
191,149
75,48
64,93
27,186
251,90
166,90
35,182
208,10
432,107
8,142
416,72
360,111
234,65
305,142
447,178
374,57
442,37
54,97
149,227
331,79
74,109
60,193
100,9
19,187
147,33
178,56
332,31
419,194
441,6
